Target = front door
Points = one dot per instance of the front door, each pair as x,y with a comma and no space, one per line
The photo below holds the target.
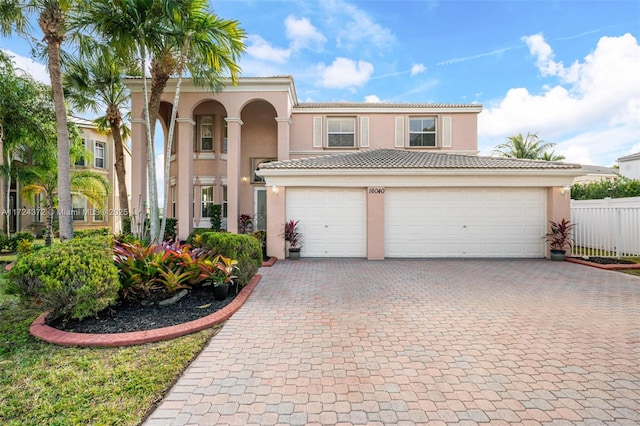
260,209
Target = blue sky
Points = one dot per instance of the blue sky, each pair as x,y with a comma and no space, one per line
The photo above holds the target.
569,70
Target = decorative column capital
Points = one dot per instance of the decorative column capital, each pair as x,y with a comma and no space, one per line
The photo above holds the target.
234,120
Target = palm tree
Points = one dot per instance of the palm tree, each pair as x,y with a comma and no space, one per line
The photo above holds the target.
178,35
529,147
206,46
52,21
43,181
94,81
552,156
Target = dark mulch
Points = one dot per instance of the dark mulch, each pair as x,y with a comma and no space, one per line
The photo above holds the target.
607,260
124,318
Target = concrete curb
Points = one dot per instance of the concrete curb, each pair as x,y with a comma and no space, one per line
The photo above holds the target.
52,335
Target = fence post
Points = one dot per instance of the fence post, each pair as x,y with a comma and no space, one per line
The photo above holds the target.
618,232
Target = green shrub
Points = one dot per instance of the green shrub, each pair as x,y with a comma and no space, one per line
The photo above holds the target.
191,239
84,233
215,216
75,279
170,230
243,248
4,242
620,188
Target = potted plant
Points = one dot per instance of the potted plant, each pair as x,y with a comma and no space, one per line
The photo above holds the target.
559,238
219,272
293,236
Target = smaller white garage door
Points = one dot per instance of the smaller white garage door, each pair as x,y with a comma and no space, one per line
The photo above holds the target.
333,221
456,222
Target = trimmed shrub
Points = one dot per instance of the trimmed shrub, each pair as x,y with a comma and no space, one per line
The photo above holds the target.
84,233
215,216
75,279
192,238
243,248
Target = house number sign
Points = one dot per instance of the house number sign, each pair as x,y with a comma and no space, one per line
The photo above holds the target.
376,190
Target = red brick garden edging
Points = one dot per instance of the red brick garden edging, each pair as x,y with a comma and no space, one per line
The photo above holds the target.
611,266
269,263
52,335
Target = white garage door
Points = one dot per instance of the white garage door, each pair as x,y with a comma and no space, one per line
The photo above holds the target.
465,222
333,221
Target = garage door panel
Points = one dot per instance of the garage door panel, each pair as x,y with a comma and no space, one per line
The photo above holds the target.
333,221
476,222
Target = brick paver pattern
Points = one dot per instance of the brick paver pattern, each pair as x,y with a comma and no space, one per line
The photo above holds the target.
324,342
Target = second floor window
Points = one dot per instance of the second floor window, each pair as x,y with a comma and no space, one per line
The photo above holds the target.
422,131
98,155
206,134
341,132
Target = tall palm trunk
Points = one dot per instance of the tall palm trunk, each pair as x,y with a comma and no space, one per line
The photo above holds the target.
172,126
154,217
115,121
51,21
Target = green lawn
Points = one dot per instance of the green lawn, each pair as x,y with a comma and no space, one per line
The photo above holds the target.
43,383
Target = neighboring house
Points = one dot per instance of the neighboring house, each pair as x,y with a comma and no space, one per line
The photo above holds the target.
596,174
370,180
102,160
25,217
630,166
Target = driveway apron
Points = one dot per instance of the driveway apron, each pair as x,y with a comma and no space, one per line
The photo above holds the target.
421,342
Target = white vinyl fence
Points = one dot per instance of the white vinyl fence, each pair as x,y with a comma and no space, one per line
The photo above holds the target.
607,228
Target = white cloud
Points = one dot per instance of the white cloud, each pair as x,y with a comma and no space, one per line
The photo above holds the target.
259,48
418,69
372,99
354,27
591,109
30,67
303,34
343,73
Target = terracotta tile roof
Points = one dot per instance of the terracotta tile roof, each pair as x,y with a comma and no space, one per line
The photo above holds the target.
397,158
380,105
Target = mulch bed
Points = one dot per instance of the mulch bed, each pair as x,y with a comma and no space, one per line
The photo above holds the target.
126,318
607,260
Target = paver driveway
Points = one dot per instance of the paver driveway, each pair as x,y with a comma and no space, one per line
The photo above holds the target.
421,342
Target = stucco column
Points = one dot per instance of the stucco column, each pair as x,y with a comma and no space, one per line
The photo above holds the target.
276,215
284,124
138,167
184,178
234,152
375,223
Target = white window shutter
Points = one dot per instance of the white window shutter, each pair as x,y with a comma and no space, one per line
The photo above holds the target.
446,132
399,132
364,132
317,132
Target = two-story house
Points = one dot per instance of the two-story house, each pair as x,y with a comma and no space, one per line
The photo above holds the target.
26,217
370,180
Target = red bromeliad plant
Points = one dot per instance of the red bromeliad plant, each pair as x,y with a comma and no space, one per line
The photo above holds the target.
151,271
292,234
560,236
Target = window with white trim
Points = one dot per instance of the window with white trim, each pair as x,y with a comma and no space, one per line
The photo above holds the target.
224,202
422,131
206,134
78,208
341,132
225,130
206,200
99,151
